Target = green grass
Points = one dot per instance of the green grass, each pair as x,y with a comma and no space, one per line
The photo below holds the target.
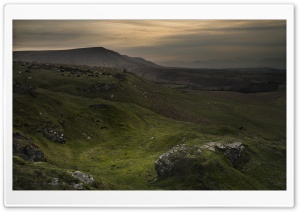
118,145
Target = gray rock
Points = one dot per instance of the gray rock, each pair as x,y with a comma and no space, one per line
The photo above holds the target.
54,182
174,158
78,186
24,147
55,135
85,178
33,153
233,151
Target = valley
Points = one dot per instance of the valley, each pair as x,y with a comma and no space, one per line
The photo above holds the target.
95,126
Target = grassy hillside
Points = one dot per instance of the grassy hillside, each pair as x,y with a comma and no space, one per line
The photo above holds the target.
114,125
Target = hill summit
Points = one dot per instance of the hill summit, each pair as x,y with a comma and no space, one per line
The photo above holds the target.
93,56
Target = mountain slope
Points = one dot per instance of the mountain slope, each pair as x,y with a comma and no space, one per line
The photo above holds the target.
95,56
116,125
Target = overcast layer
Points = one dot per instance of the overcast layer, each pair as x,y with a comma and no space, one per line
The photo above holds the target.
193,43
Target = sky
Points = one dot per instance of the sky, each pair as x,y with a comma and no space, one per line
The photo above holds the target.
177,43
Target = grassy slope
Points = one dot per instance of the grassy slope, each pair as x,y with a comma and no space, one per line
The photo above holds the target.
143,120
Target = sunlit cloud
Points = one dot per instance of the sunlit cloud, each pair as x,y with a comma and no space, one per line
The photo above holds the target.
165,42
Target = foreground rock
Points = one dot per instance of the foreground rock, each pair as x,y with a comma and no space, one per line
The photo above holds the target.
24,147
85,178
234,151
176,160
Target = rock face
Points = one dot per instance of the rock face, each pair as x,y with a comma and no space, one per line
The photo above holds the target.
174,160
233,151
25,148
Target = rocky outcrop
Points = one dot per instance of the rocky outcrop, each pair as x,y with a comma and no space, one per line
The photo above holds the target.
85,178
54,181
25,148
33,153
55,135
234,151
176,159
78,186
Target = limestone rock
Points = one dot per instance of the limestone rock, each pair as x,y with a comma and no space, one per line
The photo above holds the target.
54,181
78,186
55,135
175,158
85,178
33,153
24,147
233,151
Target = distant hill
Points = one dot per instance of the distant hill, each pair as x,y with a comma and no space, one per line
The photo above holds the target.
95,56
247,80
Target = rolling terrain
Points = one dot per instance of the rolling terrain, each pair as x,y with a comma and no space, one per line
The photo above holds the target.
127,133
246,80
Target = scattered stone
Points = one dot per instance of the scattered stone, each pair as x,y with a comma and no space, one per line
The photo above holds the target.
174,160
85,178
54,181
78,186
55,135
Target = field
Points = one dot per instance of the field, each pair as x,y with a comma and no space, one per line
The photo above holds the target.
114,125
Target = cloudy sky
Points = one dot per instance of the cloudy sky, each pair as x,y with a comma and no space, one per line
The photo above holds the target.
181,43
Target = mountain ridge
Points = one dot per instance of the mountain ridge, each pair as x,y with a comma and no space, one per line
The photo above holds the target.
91,56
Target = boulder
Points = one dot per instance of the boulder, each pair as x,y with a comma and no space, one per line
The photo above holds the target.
78,186
176,159
33,153
233,151
25,148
